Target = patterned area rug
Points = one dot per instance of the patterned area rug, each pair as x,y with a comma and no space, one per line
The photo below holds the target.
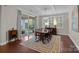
52,47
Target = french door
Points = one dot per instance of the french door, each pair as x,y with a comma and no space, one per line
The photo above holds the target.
27,26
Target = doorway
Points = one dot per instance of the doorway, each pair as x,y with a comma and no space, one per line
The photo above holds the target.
27,27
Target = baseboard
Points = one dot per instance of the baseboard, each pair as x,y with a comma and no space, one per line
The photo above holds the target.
73,41
4,43
61,34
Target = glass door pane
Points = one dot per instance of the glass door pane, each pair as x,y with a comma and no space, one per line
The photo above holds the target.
24,25
27,26
31,24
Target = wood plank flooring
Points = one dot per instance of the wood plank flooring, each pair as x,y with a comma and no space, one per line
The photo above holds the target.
67,46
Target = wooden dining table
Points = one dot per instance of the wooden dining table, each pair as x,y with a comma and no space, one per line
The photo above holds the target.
43,34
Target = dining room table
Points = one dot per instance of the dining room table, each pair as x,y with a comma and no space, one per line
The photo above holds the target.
43,35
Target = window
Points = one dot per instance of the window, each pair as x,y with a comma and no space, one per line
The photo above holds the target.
49,21
60,22
45,22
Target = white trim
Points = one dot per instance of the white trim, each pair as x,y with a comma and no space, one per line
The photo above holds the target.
4,43
62,33
73,41
28,13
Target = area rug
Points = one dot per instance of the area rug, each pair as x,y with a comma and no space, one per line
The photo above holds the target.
52,47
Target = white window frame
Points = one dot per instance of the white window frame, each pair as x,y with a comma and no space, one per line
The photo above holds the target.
51,17
62,23
43,23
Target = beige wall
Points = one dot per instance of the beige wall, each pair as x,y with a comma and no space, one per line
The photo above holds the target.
8,20
0,26
73,35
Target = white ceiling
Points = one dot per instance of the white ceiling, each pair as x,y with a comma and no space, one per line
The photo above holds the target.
46,9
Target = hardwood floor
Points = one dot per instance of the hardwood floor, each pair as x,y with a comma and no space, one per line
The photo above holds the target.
67,46
15,47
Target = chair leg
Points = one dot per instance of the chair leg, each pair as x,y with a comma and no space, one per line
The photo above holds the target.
35,37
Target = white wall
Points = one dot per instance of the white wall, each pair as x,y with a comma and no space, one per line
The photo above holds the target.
73,35
8,20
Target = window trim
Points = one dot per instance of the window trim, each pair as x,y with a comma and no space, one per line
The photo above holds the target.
62,23
51,17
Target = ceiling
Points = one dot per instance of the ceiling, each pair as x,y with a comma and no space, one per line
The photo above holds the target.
46,9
